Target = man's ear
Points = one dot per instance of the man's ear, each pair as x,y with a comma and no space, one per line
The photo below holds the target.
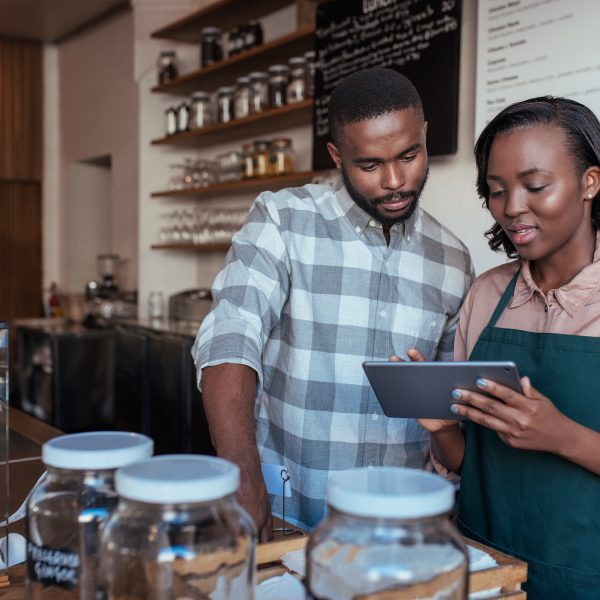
335,154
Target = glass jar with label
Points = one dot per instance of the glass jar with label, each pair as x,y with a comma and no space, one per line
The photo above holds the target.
178,532
311,67
171,120
225,104
243,95
183,117
247,152
259,86
260,158
281,157
212,47
167,68
387,534
278,80
66,509
296,87
201,110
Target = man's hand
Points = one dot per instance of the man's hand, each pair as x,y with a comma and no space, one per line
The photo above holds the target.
252,495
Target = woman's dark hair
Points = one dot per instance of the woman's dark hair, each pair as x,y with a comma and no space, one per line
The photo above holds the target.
582,132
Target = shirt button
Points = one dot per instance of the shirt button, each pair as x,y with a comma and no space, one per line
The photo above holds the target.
374,416
383,313
372,223
408,238
433,323
357,229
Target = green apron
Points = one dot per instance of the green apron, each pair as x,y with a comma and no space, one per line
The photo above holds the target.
535,505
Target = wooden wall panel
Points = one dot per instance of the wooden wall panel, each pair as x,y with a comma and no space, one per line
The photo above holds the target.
21,110
20,250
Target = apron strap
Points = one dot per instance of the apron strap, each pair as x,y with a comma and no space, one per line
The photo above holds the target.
506,296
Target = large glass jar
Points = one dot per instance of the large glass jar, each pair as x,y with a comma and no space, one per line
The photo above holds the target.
68,506
296,87
281,157
259,84
183,117
166,67
171,120
201,110
243,94
387,535
278,80
178,532
260,158
212,46
225,104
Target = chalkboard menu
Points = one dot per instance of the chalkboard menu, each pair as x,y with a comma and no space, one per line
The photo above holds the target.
419,38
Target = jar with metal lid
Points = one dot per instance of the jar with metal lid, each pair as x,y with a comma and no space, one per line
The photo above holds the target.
387,535
296,87
171,120
183,117
235,41
167,68
66,509
201,110
178,532
248,167
243,94
278,80
281,157
259,86
212,47
225,104
311,67
253,35
260,158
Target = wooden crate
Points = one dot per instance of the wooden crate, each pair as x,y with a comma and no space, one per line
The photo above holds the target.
508,575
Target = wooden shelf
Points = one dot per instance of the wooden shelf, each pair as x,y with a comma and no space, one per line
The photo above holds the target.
228,70
255,125
196,247
264,184
225,14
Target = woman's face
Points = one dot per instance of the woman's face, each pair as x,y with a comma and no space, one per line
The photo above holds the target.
537,195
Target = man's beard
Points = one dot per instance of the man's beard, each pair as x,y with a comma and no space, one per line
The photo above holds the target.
369,205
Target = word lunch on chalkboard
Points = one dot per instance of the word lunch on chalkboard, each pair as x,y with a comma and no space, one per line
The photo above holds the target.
419,38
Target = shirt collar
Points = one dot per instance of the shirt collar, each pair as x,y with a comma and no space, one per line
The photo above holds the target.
571,296
360,219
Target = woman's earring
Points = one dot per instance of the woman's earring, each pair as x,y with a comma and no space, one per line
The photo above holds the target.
590,196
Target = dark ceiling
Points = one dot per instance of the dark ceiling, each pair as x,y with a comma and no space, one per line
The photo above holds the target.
52,20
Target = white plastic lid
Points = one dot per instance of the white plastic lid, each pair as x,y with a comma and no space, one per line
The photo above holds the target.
96,450
176,478
389,492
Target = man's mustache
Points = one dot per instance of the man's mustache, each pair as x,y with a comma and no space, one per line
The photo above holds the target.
394,197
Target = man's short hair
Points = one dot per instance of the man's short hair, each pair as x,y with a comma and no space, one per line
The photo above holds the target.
368,94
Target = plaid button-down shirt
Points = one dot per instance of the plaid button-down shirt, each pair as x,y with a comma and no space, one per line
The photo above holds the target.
309,291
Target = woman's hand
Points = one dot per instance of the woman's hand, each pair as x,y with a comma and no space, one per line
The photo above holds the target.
528,421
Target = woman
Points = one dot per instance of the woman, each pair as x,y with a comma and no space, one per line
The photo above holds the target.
530,461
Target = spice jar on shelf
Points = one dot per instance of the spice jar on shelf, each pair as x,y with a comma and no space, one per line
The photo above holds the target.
311,67
167,68
260,158
201,110
171,120
212,47
296,87
234,41
243,94
259,87
248,167
278,80
225,100
281,157
183,117
253,34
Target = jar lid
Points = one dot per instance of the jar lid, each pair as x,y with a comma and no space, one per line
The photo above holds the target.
177,478
244,80
261,144
281,142
389,492
167,52
226,89
96,450
310,55
200,95
258,75
278,69
211,31
297,60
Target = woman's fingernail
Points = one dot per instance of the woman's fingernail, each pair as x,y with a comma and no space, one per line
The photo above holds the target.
454,409
482,383
456,394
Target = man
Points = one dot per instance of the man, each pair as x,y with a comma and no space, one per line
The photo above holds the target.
319,279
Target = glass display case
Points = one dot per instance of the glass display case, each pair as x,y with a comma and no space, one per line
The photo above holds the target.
4,493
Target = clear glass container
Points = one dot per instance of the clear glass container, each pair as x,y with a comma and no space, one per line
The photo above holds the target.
278,80
296,87
311,67
166,66
230,166
260,158
225,104
387,535
178,532
69,505
252,34
201,110
171,120
183,117
281,157
259,84
235,42
247,152
211,47
243,95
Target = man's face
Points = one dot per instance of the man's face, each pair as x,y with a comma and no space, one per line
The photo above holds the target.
384,163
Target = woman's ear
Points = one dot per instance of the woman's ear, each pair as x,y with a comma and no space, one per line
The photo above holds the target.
591,182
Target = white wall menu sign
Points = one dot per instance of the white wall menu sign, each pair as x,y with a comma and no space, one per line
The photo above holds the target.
529,48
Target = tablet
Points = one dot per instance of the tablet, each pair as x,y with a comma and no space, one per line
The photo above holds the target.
423,390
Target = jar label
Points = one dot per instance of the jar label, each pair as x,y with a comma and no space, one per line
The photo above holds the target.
52,566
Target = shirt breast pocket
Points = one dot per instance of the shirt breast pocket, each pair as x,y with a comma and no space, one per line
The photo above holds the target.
430,331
